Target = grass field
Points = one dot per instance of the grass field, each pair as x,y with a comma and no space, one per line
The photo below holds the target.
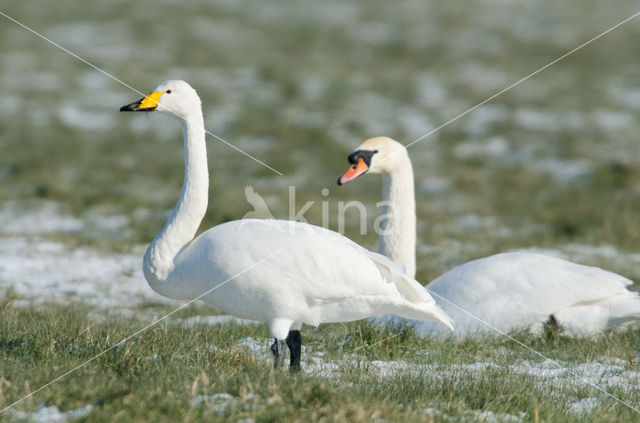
551,164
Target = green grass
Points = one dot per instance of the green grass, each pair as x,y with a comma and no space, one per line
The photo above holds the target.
158,374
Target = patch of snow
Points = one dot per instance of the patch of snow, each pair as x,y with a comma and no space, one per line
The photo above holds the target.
38,270
304,118
315,364
260,144
370,110
586,254
434,185
46,219
584,406
107,40
415,123
53,414
219,397
612,120
11,104
276,399
542,370
218,403
89,120
606,373
628,97
563,170
325,14
574,120
103,223
536,120
487,416
214,320
473,221
588,251
255,346
478,367
480,120
433,411
494,147
92,81
430,91
32,78
313,87
603,375
483,78
389,368
614,361
375,33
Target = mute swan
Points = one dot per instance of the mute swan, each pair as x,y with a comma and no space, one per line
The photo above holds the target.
509,291
303,273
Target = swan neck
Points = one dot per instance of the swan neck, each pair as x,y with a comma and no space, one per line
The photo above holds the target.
398,225
159,260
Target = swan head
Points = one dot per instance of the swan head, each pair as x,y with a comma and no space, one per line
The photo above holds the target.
175,98
375,155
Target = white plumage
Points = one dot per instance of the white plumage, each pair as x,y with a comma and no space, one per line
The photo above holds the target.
509,291
314,276
280,272
521,290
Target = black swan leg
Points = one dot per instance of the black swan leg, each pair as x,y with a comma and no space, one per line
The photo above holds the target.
278,349
294,342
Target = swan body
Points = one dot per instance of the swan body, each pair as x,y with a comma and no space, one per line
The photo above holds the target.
522,290
313,276
508,292
280,272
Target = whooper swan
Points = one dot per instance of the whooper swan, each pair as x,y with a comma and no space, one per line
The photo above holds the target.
281,272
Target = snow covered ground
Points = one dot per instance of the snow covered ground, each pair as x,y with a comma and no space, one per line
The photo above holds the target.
52,414
601,373
38,269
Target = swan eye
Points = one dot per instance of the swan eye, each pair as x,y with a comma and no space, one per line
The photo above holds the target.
168,91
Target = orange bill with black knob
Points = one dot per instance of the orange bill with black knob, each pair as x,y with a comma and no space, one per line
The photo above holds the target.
354,171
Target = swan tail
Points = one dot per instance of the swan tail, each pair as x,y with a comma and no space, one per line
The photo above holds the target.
617,312
393,272
417,303
624,308
428,312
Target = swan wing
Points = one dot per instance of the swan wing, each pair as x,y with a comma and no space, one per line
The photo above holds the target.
518,290
316,276
411,288
422,305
